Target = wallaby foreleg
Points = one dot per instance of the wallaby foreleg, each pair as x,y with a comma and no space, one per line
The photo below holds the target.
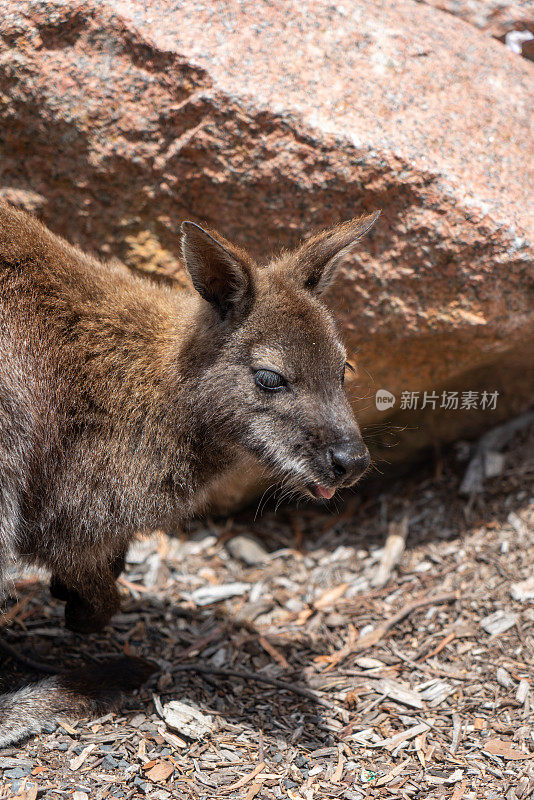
60,590
91,598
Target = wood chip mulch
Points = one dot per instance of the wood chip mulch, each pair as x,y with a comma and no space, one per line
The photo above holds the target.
382,647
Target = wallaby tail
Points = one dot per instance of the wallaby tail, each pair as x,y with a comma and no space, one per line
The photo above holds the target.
83,692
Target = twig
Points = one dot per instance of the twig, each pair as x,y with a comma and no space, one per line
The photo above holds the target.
246,778
372,638
456,732
406,610
11,613
200,644
245,675
393,550
444,642
38,666
428,668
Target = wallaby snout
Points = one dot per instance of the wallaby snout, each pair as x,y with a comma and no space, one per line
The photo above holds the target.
348,461
340,465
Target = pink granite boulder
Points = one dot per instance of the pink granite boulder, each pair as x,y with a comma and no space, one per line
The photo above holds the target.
266,120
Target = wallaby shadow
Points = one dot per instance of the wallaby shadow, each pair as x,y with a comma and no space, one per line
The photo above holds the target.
175,638
178,636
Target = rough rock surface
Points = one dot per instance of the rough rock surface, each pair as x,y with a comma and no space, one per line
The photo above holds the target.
493,16
266,120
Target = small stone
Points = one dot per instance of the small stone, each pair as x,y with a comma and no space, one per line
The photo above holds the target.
366,662
522,691
11,763
247,549
140,783
515,40
17,772
498,622
207,595
186,719
523,590
109,763
138,720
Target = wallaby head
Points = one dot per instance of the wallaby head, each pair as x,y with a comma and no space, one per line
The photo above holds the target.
272,364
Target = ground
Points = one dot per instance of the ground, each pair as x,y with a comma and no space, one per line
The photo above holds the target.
418,688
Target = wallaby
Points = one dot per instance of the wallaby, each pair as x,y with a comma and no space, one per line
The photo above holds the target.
126,405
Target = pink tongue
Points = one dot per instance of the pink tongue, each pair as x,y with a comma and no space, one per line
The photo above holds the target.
322,491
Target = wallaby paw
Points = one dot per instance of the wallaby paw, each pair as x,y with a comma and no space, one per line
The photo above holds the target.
58,589
81,617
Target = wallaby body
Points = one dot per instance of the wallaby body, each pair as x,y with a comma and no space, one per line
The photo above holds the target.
124,405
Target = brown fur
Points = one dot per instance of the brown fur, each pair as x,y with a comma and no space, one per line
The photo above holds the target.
126,406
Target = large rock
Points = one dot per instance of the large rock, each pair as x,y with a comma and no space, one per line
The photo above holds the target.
493,16
510,22
266,120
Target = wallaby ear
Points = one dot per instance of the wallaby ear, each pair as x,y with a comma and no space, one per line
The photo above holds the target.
314,264
222,273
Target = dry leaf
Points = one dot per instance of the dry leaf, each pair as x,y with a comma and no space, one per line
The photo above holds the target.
330,596
253,791
392,774
273,652
338,772
172,739
160,771
459,790
27,794
246,778
499,747
77,762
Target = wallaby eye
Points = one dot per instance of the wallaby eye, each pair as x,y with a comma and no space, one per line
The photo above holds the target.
346,366
269,381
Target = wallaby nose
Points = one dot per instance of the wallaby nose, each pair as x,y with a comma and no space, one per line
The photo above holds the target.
348,461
